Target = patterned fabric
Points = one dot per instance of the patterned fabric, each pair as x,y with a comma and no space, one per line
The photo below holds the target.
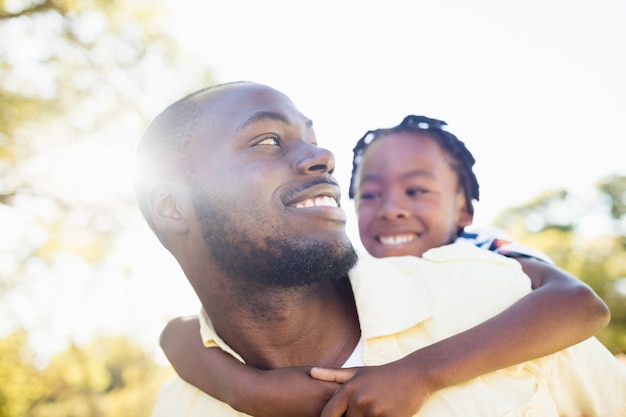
498,241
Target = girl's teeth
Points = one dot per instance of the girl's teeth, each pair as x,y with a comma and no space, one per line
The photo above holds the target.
396,240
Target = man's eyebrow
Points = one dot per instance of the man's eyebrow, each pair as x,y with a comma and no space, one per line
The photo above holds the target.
269,115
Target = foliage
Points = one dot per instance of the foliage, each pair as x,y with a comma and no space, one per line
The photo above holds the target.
110,377
20,385
614,187
77,82
79,79
561,225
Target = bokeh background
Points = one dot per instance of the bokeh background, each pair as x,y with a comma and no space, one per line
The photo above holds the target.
536,89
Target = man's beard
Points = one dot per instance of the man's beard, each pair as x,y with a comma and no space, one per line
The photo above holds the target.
282,260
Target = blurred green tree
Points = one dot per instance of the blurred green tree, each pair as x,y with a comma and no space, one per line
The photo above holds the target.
78,82
79,79
20,382
110,377
586,238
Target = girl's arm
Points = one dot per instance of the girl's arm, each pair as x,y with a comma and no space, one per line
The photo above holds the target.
284,392
560,312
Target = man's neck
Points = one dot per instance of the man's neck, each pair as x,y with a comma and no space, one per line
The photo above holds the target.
290,327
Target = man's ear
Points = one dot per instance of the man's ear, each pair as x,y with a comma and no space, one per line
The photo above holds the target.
167,207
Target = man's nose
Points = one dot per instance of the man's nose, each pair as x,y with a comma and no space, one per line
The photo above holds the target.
315,160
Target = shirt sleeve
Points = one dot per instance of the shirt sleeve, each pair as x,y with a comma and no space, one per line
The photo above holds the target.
177,398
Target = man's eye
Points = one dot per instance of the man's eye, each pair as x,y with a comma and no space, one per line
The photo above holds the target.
270,140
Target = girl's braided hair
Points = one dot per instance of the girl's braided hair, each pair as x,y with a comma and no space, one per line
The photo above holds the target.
462,159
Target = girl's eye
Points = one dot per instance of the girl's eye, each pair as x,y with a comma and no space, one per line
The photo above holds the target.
368,196
273,140
414,192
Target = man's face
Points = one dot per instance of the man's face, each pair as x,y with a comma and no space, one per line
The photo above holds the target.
263,193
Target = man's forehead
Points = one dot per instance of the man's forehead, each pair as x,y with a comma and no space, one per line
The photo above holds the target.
239,96
234,107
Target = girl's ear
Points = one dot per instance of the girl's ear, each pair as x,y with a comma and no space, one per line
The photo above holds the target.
465,218
166,204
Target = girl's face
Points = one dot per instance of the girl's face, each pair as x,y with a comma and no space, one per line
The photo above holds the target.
408,197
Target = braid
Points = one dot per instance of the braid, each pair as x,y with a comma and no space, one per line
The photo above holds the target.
462,159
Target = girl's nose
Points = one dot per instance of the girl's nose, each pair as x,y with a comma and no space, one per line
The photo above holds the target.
393,209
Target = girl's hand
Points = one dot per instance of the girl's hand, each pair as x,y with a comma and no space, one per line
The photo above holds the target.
388,390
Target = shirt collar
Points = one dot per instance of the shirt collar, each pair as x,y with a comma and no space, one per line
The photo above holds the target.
210,337
390,294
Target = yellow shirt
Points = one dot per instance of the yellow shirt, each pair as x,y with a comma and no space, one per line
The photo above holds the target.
407,303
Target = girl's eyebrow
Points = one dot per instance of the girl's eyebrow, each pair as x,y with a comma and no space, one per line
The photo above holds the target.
419,173
410,174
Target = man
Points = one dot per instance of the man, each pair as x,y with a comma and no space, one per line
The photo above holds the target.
236,188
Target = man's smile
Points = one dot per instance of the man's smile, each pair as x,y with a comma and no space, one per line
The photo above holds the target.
320,201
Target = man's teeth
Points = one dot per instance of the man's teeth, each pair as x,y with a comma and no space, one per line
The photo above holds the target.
397,239
323,201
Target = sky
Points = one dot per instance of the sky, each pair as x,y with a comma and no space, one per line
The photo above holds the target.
536,90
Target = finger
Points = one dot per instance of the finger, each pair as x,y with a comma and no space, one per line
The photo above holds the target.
337,406
333,374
